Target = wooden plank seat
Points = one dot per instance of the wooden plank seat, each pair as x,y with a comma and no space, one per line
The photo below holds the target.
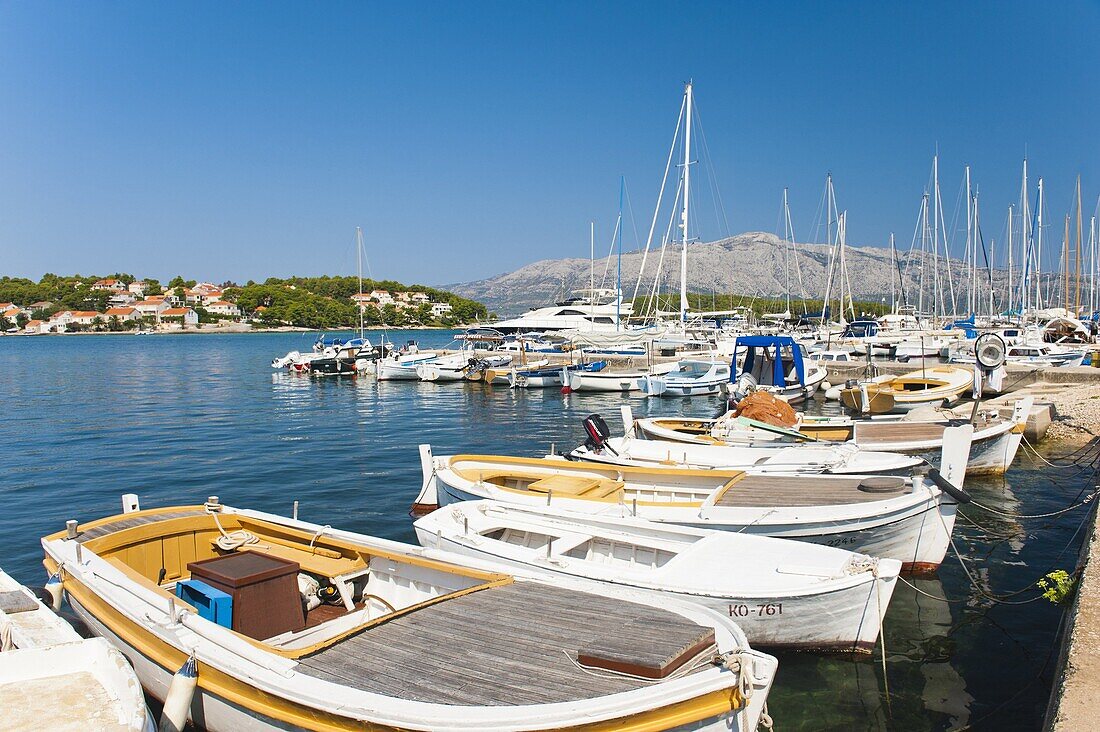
575,486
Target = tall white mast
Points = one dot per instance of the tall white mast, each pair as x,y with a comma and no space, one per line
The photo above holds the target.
359,267
1039,250
969,253
1009,300
592,262
686,200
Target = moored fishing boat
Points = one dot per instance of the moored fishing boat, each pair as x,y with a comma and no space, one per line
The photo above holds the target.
286,624
609,380
784,594
775,364
993,449
909,519
544,378
402,366
932,386
775,459
52,678
691,377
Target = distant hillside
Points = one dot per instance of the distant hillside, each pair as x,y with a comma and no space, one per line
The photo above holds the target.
750,263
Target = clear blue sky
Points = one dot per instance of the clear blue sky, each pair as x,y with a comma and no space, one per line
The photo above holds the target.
246,140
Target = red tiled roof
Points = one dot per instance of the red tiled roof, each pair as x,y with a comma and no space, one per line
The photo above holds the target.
120,311
177,311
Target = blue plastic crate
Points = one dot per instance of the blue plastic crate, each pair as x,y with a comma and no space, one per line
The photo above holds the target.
212,604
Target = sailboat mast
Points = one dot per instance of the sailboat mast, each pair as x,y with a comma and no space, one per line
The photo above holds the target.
1077,266
1039,250
1009,256
619,259
686,201
359,267
969,253
592,262
787,250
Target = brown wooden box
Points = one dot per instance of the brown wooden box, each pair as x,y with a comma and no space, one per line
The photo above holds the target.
264,591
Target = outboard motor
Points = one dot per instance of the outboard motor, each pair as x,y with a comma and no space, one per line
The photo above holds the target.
744,385
598,434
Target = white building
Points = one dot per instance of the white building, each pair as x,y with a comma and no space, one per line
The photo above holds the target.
222,307
439,309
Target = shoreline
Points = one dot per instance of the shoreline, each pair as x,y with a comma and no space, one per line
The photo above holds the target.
238,331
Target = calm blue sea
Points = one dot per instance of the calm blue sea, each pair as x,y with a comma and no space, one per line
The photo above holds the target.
176,418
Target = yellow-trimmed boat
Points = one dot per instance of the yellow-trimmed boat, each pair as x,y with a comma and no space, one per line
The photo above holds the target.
372,634
934,386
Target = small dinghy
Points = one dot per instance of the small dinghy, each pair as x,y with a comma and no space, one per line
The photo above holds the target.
994,447
776,459
52,678
909,519
933,386
286,624
784,594
690,378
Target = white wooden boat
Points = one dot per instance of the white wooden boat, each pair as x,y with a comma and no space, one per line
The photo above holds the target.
462,648
52,678
500,376
691,377
620,381
994,447
777,459
909,519
932,386
784,594
402,366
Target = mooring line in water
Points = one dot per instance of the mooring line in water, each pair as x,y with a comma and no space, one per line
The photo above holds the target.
1088,499
1089,448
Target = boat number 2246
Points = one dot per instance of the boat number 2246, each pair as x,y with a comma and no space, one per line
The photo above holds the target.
761,611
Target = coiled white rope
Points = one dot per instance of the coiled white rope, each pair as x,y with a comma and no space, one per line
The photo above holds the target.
230,542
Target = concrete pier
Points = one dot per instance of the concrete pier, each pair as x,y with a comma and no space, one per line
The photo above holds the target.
1076,691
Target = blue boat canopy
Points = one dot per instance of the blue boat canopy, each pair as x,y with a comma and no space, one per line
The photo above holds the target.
782,351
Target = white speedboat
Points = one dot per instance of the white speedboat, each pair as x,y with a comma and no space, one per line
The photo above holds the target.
402,366
993,449
614,381
288,623
690,378
784,594
52,678
909,519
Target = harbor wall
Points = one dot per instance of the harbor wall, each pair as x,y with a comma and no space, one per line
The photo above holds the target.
1076,690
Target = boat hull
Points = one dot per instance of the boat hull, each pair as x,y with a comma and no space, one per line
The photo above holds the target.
844,620
917,533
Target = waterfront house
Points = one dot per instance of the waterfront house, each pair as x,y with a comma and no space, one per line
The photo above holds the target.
11,312
439,309
418,298
184,316
122,313
382,297
221,307
36,326
40,305
150,308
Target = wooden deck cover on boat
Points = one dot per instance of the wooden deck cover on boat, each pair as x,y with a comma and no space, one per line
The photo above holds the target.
871,433
792,490
509,645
